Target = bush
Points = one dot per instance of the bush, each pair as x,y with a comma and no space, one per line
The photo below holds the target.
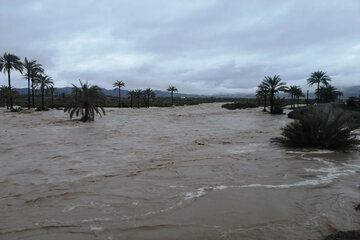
242,105
320,129
277,110
351,102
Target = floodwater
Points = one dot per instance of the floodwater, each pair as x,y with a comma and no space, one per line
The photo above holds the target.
193,172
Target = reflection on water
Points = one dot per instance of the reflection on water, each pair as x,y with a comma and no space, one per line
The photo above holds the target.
187,172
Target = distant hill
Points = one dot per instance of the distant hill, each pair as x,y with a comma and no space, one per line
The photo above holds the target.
348,92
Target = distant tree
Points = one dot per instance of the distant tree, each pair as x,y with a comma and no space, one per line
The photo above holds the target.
295,93
132,96
119,84
318,77
44,82
263,92
298,94
138,94
172,89
4,95
52,90
34,82
86,100
148,94
328,93
31,67
274,85
9,62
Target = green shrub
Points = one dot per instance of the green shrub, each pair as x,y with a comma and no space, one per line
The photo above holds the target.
320,129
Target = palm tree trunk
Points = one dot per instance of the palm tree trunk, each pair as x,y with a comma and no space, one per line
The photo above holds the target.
131,101
33,94
29,91
172,98
119,98
271,102
52,99
42,98
265,99
10,94
318,91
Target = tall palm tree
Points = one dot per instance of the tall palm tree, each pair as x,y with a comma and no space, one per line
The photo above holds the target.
31,67
35,82
148,93
172,89
86,100
119,84
263,92
10,62
44,82
274,85
292,90
138,93
318,77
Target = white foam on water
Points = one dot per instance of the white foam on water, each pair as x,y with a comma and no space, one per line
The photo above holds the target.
176,186
198,193
96,228
96,220
220,187
311,152
135,203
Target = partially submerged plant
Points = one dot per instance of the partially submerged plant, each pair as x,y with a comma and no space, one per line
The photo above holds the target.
320,129
86,101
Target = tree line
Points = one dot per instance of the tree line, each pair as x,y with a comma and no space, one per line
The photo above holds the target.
270,86
32,71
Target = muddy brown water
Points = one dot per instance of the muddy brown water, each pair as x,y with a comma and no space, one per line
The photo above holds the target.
193,172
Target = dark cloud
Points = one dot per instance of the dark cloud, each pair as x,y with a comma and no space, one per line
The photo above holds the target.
202,46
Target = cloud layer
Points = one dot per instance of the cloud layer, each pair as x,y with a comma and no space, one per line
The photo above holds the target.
200,46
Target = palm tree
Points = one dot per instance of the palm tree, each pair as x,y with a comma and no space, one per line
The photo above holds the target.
52,90
317,78
10,62
4,95
297,94
148,93
172,89
291,90
262,92
320,129
86,100
132,96
138,93
328,93
274,85
45,82
119,84
30,68
34,83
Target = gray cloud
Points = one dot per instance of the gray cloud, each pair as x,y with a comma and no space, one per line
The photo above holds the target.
203,46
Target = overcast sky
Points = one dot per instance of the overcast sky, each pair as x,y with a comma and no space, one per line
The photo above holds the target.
200,46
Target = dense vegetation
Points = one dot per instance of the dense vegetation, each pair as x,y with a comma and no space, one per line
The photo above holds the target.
320,129
240,105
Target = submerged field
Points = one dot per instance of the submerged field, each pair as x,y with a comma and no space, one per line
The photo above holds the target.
193,172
